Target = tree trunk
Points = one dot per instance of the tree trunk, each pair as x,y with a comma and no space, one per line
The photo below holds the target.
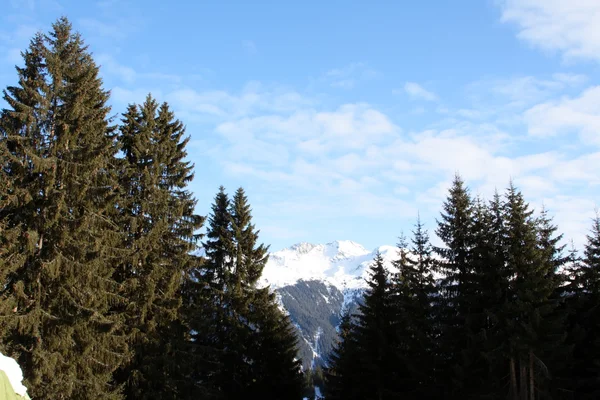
513,380
523,378
531,380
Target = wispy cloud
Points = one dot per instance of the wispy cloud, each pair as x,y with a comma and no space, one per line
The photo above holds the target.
349,76
110,66
354,160
417,91
569,27
579,115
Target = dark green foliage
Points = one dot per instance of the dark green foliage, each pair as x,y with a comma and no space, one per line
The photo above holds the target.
343,375
376,334
413,299
583,302
494,326
484,358
156,216
454,308
363,365
275,369
532,257
58,153
255,341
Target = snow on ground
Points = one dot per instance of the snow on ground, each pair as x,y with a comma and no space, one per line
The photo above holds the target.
13,372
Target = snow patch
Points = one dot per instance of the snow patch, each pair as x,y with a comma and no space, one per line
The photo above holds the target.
14,374
315,347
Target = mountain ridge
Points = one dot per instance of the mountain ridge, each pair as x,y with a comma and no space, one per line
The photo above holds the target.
316,283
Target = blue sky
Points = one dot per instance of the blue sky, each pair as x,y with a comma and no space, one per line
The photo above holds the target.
344,119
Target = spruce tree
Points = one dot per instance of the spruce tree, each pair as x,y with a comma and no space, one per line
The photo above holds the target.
276,370
58,151
532,258
257,346
158,220
343,375
413,292
584,322
455,231
486,362
376,337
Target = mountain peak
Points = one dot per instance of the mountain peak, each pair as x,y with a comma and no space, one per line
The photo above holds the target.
302,247
341,249
341,263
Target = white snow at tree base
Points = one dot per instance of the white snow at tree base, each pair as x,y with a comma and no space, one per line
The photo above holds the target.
14,374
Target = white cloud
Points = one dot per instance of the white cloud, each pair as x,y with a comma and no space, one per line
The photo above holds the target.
579,115
415,90
570,27
318,161
583,169
109,65
490,95
254,99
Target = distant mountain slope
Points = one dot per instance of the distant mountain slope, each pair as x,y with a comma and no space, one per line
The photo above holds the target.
315,283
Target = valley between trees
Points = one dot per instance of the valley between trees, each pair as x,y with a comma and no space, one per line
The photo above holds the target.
104,294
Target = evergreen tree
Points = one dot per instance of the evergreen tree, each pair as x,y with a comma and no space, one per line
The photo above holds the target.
212,324
158,220
58,150
414,294
343,376
484,358
376,337
256,341
530,252
457,286
276,370
584,322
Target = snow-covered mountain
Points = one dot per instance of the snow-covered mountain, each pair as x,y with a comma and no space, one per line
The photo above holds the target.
343,264
316,283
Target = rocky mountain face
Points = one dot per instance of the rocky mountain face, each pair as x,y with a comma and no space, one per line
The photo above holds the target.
315,284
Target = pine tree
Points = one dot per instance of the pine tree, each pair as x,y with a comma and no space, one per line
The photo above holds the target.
58,151
343,376
584,322
256,341
208,308
455,231
413,295
276,370
376,337
554,349
157,217
485,325
531,252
